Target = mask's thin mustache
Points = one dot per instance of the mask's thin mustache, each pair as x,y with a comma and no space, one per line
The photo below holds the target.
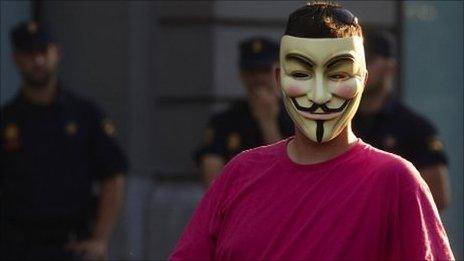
315,106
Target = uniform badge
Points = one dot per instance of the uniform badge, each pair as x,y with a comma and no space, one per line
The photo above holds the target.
389,142
11,137
434,144
108,127
256,46
32,27
71,128
233,142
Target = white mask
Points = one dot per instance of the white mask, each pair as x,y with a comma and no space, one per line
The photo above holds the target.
322,80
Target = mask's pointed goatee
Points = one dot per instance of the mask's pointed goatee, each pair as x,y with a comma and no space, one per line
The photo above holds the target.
319,130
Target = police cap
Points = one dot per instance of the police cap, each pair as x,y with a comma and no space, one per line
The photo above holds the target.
30,36
258,53
380,43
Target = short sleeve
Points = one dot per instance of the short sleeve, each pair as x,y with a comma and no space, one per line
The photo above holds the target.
108,158
425,147
417,232
214,140
198,241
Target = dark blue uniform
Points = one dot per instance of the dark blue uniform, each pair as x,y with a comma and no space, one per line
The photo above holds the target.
51,157
399,130
235,130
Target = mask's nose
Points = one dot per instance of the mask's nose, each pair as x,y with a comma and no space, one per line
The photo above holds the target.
319,93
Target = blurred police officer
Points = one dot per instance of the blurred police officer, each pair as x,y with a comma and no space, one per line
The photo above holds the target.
61,171
389,125
259,120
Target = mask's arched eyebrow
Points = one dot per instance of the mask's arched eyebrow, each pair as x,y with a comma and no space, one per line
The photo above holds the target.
301,59
347,58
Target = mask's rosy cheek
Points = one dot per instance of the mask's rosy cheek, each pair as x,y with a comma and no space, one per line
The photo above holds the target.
347,90
294,90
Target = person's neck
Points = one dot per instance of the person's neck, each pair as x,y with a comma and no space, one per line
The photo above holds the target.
302,150
44,95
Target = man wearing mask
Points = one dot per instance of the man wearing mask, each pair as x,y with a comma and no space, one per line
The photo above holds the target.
387,124
61,176
323,194
261,119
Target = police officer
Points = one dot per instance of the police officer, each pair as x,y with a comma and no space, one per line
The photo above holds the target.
259,120
386,123
61,178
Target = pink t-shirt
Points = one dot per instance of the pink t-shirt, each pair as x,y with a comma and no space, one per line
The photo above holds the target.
363,204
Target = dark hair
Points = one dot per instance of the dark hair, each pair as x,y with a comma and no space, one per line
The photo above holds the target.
379,43
323,20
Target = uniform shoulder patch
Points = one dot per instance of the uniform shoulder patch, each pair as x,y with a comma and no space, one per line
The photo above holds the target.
71,128
32,27
108,127
11,137
11,131
257,46
234,141
434,143
390,141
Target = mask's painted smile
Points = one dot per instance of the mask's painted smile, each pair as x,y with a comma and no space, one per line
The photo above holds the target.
319,111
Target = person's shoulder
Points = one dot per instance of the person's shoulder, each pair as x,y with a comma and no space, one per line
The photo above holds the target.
392,166
246,165
383,159
233,112
414,119
69,97
9,107
79,102
256,157
261,153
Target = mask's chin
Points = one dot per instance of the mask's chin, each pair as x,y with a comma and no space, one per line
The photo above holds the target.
318,124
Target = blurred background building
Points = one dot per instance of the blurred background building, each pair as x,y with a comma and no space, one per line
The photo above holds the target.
160,68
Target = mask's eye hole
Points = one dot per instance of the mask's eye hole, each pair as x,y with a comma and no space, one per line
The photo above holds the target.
301,75
339,76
